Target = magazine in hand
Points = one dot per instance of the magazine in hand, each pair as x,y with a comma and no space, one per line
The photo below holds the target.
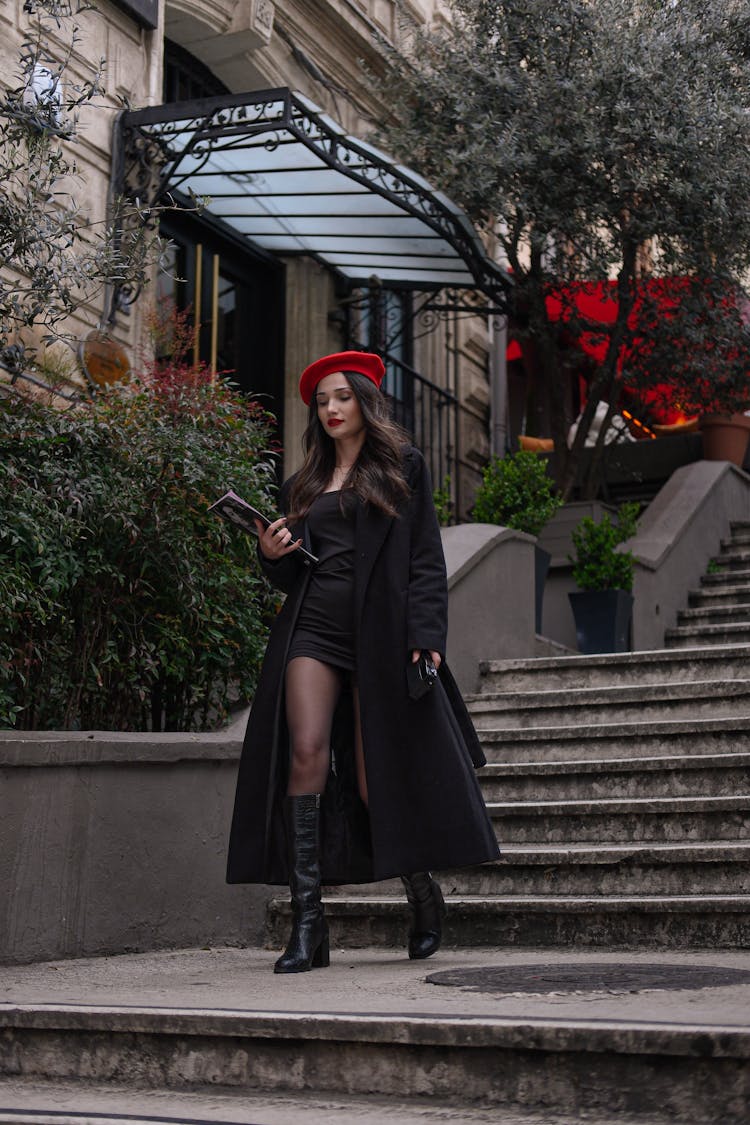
243,515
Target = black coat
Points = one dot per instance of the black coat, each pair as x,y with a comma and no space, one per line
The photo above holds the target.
426,810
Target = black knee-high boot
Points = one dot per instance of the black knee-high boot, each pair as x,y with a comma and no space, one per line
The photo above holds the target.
308,944
428,910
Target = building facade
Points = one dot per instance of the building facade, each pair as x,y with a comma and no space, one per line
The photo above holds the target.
308,241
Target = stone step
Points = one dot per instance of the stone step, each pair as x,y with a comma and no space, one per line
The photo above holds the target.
622,820
712,867
654,667
687,636
730,612
673,921
718,868
602,705
84,1103
694,775
733,558
740,537
634,740
733,594
661,1069
726,576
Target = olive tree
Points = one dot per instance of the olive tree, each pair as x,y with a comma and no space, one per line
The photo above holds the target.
592,139
53,257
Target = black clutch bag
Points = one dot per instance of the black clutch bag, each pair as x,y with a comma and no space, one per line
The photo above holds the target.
420,675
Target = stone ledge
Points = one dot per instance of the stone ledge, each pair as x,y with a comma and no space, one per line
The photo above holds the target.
540,1033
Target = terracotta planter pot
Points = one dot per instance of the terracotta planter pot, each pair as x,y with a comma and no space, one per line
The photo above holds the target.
725,437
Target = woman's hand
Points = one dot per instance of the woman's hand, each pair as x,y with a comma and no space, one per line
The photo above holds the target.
436,657
276,539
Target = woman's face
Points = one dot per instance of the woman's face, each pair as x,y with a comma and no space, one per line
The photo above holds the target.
339,411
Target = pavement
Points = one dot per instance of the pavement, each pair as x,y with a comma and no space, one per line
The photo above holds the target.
669,991
384,982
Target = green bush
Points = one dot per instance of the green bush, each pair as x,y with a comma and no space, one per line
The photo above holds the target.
597,564
516,491
124,604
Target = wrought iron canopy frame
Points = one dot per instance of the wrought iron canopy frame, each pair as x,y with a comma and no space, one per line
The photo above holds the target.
282,174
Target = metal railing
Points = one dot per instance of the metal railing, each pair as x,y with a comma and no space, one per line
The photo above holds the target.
429,415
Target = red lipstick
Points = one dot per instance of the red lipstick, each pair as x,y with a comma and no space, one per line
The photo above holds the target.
335,421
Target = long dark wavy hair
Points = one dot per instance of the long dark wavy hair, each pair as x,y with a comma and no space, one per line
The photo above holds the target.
376,477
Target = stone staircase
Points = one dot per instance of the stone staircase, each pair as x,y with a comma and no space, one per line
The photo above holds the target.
619,786
719,612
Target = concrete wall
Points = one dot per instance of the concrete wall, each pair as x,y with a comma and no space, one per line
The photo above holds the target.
557,618
677,535
117,842
491,597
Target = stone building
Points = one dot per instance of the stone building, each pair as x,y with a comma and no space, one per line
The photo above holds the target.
310,240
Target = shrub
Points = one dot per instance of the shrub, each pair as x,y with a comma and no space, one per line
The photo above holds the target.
597,564
516,492
123,603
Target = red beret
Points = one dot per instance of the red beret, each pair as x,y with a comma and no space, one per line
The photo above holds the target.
366,363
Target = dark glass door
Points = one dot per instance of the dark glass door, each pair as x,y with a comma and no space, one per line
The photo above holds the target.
236,298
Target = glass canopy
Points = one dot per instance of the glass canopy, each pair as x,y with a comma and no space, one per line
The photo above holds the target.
281,173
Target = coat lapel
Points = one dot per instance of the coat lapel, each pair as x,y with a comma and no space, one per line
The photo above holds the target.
369,536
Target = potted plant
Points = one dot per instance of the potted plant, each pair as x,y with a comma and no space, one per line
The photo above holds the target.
698,349
603,605
518,492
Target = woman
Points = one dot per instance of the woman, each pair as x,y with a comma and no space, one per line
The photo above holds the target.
344,778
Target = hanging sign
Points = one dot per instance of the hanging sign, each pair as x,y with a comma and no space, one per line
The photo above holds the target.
144,12
103,360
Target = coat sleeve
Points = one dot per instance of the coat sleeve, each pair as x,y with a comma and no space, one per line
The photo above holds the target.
427,613
283,573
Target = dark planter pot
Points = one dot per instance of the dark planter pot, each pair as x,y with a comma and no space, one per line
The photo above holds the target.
602,620
542,560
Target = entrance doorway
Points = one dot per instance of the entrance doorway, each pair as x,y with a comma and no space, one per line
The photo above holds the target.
236,297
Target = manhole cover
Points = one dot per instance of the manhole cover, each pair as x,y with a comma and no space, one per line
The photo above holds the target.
601,977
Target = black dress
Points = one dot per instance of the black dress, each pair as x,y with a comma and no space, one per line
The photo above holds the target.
325,626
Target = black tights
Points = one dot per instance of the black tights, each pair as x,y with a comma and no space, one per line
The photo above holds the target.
312,692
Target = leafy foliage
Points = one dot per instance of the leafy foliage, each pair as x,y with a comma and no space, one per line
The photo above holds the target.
597,564
516,491
53,256
583,136
441,498
124,604
700,347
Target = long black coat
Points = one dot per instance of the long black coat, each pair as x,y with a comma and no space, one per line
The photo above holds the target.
425,807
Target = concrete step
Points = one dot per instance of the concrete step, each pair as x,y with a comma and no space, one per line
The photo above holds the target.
712,867
71,1102
602,705
634,740
673,921
694,775
569,1069
634,668
733,558
622,820
740,537
687,636
732,594
718,868
726,576
729,612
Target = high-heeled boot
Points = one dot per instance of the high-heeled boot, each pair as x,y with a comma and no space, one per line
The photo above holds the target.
428,910
308,944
